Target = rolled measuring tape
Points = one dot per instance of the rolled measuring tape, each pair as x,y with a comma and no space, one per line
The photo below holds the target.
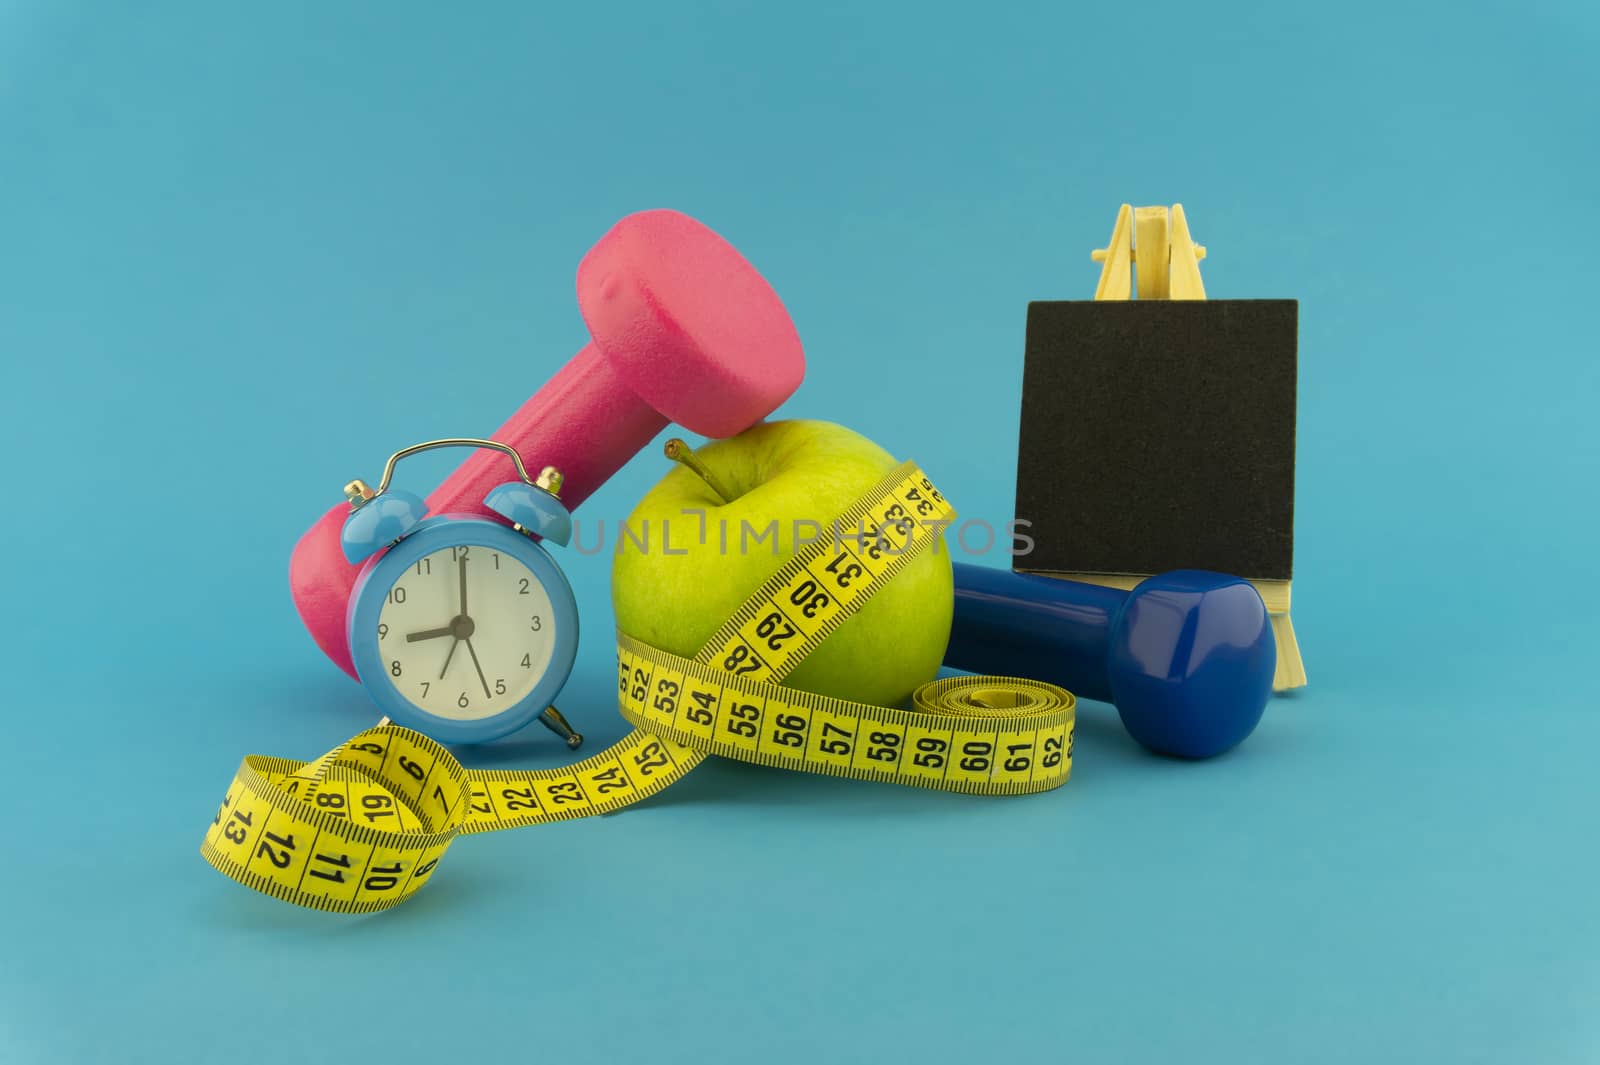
364,827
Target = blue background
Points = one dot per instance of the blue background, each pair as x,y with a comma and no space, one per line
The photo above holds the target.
245,255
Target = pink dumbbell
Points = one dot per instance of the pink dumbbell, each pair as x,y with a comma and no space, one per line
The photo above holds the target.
684,330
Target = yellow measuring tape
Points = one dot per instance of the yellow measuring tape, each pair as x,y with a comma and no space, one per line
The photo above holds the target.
363,827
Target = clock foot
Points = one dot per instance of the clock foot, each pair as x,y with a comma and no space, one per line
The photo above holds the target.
555,722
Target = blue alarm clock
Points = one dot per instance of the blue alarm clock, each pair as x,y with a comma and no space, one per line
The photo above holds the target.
462,627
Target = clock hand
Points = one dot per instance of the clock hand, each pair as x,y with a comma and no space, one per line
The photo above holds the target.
479,668
448,656
463,572
431,634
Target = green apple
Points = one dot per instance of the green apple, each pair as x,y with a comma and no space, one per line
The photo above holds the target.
678,589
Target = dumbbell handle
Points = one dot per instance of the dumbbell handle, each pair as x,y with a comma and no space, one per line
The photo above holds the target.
585,421
1011,625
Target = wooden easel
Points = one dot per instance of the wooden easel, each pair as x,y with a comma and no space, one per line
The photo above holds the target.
1154,244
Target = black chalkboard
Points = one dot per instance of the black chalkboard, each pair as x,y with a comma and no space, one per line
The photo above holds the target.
1159,435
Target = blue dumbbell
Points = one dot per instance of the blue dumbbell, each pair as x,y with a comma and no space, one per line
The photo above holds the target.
1187,657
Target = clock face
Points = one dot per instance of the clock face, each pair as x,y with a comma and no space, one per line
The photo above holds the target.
466,632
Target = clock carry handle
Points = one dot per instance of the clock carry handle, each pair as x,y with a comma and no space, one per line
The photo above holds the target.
532,506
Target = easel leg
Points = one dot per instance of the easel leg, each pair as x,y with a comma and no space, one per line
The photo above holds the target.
1291,672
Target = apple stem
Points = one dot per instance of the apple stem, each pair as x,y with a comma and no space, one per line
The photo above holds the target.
679,452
